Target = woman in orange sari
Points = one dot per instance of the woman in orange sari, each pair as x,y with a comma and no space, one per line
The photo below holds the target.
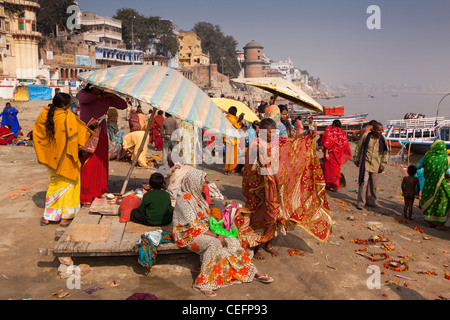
223,261
58,136
231,145
336,152
284,187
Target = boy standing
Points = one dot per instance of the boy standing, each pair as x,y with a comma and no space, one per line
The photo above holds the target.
410,188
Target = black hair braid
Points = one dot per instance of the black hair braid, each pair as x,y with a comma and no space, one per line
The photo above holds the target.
59,100
49,123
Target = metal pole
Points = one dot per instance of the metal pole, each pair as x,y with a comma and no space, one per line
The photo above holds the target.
132,40
438,107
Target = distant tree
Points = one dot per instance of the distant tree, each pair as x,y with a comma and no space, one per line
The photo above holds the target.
147,28
222,49
52,15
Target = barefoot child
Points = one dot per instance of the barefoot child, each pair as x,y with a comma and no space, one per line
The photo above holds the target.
410,189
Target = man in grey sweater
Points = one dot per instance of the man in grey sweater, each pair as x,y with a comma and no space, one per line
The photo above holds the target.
169,125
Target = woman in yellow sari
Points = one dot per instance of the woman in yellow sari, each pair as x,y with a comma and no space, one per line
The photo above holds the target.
231,145
58,137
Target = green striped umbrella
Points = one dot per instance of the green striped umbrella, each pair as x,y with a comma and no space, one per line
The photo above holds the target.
165,89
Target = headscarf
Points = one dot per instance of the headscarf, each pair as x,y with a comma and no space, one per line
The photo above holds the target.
334,138
435,164
274,113
436,159
191,213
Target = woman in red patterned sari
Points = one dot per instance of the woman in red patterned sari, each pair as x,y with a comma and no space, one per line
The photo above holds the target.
155,131
223,261
284,187
336,152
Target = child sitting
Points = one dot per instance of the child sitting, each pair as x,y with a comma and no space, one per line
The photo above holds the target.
155,208
410,188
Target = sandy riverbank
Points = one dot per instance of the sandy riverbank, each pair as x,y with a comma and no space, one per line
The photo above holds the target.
326,270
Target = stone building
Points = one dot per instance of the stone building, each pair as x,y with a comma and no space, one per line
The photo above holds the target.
19,61
61,61
253,60
190,51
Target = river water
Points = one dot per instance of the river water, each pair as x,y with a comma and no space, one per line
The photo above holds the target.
384,107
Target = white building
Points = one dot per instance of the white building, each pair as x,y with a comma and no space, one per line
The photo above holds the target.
103,31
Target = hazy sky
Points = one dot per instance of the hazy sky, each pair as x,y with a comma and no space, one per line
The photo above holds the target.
328,38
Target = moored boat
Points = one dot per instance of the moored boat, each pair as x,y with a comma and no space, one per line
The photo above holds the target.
416,135
350,123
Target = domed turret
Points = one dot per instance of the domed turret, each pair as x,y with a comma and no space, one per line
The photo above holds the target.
253,60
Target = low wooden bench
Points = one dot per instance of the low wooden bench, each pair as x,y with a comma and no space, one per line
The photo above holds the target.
118,238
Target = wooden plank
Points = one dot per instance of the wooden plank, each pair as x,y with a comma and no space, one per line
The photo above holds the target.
67,248
112,244
130,238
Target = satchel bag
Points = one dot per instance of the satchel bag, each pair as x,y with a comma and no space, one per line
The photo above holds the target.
91,144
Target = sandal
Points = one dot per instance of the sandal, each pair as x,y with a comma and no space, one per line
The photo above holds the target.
86,204
64,225
264,278
206,292
43,222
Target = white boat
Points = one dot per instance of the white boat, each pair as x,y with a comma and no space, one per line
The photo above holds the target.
416,135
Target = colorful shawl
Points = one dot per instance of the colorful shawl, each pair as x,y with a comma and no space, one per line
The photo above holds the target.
146,247
292,195
335,141
6,135
220,265
274,113
191,213
436,191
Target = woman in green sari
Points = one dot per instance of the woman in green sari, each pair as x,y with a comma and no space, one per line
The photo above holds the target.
436,191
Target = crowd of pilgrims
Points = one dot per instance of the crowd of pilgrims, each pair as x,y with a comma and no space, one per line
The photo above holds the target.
75,140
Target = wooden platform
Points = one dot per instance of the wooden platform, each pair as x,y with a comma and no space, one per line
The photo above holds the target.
116,238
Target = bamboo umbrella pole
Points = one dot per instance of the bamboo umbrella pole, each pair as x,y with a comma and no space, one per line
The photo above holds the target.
141,147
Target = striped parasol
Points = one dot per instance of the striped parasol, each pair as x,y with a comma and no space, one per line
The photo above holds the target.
165,89
282,88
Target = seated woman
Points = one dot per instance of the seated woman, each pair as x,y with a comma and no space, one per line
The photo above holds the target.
174,176
6,135
223,261
131,142
9,116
